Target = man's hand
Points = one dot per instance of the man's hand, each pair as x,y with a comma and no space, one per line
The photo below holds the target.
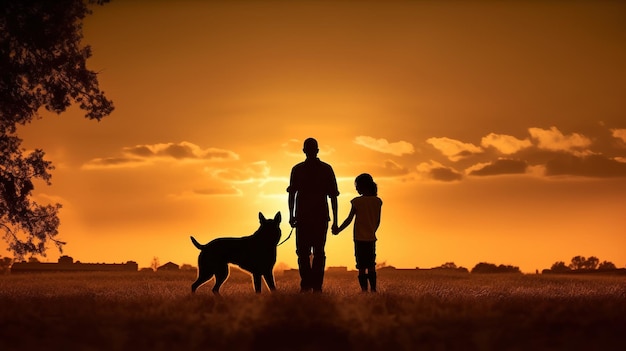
334,229
292,221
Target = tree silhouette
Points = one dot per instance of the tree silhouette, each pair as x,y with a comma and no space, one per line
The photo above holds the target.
606,266
155,264
5,264
449,265
42,65
581,264
484,267
560,267
592,263
578,262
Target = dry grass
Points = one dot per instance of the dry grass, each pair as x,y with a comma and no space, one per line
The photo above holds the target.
432,311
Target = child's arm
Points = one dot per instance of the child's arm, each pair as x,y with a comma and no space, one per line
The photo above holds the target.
346,222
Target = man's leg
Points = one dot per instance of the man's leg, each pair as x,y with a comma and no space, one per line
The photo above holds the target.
319,256
303,250
371,276
363,280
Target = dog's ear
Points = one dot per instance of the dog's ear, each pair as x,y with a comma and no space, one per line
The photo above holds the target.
277,218
261,218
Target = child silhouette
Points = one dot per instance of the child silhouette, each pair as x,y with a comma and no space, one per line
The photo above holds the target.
366,209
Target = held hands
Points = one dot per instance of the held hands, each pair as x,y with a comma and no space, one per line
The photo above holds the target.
335,230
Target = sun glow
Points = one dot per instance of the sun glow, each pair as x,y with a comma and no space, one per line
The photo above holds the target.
463,115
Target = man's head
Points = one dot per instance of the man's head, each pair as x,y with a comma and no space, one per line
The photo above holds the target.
310,148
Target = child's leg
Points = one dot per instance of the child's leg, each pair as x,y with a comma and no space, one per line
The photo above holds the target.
358,253
371,274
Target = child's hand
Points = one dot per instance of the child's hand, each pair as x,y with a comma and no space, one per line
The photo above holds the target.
335,230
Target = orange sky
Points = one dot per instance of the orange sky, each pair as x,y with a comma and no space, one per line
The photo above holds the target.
496,131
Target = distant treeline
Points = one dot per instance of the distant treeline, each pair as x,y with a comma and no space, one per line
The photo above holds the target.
492,268
481,267
580,264
67,264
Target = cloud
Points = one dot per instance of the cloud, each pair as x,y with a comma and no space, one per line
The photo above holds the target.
223,190
49,199
619,134
250,173
545,152
436,171
505,144
141,155
596,166
180,151
114,162
445,174
393,168
388,168
453,149
553,140
398,148
498,167
226,190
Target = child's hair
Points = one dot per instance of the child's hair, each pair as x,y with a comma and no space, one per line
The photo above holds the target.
365,185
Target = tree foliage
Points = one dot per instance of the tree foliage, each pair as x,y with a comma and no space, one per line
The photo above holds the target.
560,267
451,266
5,264
581,264
42,66
484,267
578,262
448,265
606,266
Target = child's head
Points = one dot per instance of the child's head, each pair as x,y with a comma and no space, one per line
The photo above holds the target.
365,185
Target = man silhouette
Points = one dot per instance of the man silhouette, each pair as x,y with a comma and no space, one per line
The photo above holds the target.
310,184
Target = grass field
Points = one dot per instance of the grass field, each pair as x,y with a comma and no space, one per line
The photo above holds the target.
411,311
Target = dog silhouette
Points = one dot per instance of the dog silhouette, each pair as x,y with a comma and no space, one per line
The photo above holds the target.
255,253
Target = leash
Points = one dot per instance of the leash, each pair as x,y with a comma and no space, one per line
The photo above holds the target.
288,236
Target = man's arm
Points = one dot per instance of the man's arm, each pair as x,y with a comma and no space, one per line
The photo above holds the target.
333,192
292,201
333,205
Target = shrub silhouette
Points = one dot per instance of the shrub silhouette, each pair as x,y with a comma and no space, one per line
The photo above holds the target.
484,267
451,266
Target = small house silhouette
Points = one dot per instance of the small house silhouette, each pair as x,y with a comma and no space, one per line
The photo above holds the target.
168,267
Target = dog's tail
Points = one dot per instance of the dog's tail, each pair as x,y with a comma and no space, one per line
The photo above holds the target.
196,243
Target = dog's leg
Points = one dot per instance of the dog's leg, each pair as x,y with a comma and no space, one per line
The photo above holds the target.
256,279
269,280
203,277
221,273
